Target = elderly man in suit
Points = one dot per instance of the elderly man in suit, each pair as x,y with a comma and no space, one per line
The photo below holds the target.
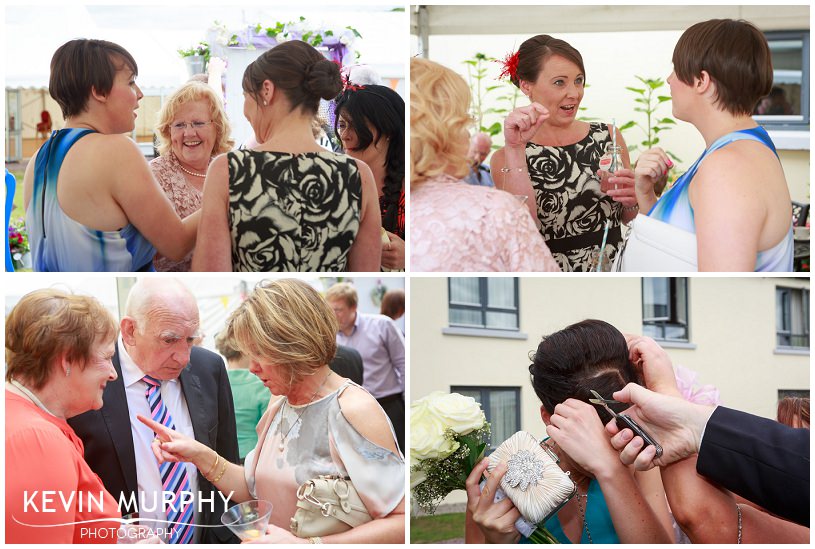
162,374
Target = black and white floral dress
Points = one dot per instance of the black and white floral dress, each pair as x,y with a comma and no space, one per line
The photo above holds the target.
571,208
292,212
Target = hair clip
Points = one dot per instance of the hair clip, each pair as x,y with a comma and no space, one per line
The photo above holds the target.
510,66
533,481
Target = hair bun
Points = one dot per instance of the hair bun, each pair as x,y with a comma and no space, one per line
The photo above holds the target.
323,79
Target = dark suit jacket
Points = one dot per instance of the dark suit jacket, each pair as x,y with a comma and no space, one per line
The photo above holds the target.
109,443
759,459
348,363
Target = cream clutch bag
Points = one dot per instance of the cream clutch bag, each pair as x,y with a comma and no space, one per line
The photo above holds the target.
534,481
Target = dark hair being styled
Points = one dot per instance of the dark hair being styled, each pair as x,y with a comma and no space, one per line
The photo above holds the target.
736,56
569,363
300,71
536,50
81,65
384,109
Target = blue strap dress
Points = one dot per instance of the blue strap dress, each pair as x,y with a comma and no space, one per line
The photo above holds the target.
598,520
59,243
674,206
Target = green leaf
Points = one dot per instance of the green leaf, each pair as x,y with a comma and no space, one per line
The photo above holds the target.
667,121
654,141
469,62
490,88
663,98
636,90
330,32
640,109
355,31
495,129
654,84
629,124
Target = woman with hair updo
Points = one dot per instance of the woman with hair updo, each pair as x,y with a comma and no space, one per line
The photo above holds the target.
288,205
614,503
455,226
317,423
192,129
59,350
370,122
554,158
734,199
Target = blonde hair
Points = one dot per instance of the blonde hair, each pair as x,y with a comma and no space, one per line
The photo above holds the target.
49,323
288,323
439,100
344,291
194,91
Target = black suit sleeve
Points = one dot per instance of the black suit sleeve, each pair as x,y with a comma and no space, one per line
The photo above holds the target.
759,459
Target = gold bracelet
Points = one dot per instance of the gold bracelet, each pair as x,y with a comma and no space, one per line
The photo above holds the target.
214,466
315,539
223,470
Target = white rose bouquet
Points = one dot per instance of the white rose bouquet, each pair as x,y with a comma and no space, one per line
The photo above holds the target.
448,435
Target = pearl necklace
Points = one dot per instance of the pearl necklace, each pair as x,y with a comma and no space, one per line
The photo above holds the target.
185,170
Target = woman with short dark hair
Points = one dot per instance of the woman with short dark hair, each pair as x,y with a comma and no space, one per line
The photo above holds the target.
91,202
553,158
614,503
288,204
734,199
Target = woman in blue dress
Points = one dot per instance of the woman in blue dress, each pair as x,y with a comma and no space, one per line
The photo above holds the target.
613,504
91,202
734,198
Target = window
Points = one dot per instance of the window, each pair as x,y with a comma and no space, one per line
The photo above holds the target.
792,317
665,308
502,407
787,106
488,303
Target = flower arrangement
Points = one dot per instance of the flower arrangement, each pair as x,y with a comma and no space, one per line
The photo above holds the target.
338,41
18,242
202,49
448,436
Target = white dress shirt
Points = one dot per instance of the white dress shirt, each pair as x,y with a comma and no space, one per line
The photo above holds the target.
147,471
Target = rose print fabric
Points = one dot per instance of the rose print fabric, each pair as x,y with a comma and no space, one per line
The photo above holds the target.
568,195
292,212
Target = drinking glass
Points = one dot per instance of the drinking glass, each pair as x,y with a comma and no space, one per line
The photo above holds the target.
248,520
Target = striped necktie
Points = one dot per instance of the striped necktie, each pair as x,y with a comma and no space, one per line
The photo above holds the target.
173,475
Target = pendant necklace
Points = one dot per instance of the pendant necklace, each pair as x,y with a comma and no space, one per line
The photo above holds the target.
285,437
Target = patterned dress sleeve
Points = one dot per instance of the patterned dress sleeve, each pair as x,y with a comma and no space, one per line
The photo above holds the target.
377,473
524,248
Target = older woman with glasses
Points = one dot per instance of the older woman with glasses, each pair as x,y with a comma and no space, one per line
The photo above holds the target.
192,129
59,348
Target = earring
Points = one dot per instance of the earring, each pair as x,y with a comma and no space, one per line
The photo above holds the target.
265,103
68,371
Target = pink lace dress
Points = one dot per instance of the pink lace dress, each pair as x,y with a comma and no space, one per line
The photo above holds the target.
459,227
186,200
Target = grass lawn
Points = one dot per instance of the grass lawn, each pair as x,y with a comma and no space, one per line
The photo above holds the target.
432,529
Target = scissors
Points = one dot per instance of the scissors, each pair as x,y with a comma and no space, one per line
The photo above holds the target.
624,421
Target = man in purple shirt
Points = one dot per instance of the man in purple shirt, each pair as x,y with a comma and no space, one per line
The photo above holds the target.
382,346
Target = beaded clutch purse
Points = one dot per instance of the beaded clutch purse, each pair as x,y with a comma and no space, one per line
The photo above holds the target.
534,481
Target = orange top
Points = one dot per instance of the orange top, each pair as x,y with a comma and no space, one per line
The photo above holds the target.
49,483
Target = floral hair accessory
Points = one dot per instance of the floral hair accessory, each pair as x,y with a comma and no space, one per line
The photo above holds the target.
510,66
347,85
